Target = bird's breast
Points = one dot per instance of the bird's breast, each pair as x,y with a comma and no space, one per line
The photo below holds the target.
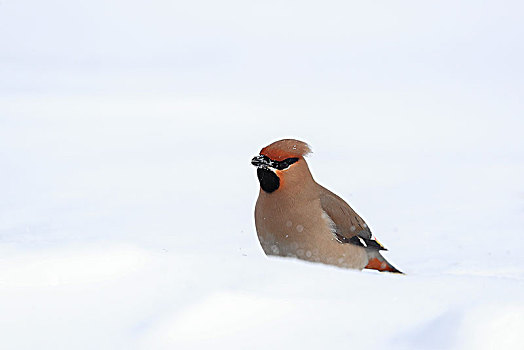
304,232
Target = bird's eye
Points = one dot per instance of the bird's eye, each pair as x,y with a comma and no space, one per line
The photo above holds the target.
286,163
290,161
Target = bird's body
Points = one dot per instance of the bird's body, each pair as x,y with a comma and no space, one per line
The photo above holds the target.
296,217
297,226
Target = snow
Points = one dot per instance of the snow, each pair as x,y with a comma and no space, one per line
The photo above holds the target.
126,134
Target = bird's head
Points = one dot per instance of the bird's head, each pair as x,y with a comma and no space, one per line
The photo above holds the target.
282,165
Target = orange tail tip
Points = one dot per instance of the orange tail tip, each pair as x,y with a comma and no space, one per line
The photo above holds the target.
376,264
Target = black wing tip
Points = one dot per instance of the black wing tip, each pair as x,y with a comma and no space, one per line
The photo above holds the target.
393,270
397,271
379,263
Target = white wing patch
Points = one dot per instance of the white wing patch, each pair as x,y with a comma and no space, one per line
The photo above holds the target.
370,243
362,241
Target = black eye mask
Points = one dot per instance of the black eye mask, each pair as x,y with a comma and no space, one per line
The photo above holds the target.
286,163
279,165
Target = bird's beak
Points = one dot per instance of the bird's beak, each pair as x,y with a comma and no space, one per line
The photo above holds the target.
259,161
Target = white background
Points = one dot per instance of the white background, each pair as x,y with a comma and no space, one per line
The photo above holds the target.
127,194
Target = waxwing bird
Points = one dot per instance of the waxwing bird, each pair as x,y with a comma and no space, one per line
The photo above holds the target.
296,217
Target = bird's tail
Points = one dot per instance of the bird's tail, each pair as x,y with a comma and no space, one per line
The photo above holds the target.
378,262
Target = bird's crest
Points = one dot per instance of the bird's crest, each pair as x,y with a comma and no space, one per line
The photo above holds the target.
287,148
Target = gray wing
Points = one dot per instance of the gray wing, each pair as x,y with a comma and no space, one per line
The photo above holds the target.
348,226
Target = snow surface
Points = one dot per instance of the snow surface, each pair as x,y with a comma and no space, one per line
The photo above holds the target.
126,134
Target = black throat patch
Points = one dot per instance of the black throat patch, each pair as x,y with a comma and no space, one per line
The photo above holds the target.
269,181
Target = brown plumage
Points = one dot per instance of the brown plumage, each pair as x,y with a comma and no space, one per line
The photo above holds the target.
296,217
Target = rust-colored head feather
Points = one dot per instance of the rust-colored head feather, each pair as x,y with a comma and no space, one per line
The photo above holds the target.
287,148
